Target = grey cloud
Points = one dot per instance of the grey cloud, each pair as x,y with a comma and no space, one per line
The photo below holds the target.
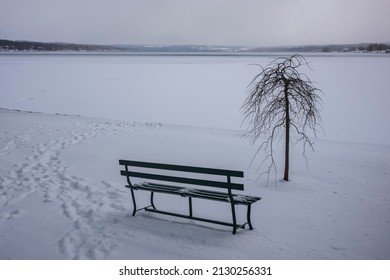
232,22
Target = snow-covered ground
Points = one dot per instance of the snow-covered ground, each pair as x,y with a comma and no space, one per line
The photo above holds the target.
61,195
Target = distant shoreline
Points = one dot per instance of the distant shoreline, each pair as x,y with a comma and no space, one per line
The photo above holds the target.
188,54
202,50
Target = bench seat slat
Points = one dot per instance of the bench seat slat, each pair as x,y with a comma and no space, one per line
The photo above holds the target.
178,191
206,192
155,188
196,193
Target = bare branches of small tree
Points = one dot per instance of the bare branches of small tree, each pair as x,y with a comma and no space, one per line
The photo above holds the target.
281,99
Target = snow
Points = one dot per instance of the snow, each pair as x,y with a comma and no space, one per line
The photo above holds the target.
62,197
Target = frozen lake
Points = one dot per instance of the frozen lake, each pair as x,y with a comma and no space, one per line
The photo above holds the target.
193,90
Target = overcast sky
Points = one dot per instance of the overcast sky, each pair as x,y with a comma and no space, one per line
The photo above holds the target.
218,22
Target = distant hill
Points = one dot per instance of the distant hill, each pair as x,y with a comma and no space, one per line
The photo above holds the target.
8,45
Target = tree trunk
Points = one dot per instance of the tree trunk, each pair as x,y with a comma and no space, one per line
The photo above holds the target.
287,147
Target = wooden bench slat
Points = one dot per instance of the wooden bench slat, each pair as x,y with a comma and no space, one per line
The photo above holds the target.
158,186
197,193
155,189
192,169
184,180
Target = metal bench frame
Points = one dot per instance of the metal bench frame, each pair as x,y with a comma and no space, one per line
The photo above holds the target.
228,196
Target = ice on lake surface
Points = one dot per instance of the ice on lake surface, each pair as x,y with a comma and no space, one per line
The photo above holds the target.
193,90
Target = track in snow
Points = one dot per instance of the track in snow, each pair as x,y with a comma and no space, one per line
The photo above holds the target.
44,173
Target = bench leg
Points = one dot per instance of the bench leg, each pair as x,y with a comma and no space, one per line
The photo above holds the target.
134,203
234,218
248,216
190,206
152,201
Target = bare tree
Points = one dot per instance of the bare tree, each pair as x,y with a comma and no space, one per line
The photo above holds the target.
281,99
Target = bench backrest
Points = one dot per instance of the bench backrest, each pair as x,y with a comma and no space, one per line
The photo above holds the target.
226,183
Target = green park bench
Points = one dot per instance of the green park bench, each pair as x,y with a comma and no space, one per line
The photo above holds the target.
169,173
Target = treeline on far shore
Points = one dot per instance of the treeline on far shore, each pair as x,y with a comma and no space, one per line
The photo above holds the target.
9,45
